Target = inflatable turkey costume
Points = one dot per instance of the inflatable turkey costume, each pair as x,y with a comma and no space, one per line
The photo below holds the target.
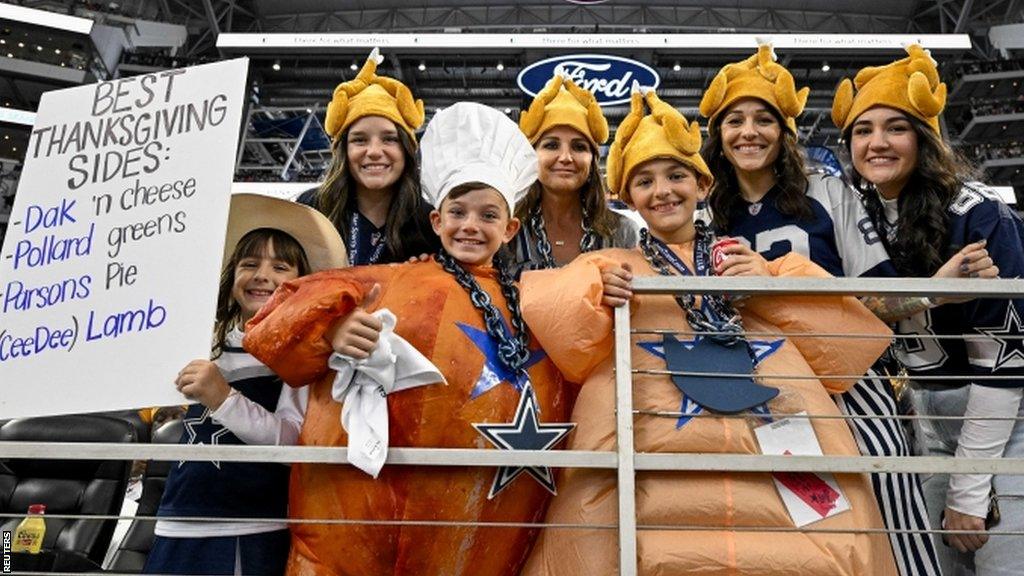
466,143
717,512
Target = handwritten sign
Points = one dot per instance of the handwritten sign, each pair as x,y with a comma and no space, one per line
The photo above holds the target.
110,266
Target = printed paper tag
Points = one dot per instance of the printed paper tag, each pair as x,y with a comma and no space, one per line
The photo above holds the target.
808,497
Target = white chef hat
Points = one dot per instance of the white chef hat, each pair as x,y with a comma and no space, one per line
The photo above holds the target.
469,142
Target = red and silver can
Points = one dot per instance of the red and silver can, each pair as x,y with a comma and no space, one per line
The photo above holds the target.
718,254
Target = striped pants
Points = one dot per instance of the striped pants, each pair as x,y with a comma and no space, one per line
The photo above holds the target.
899,496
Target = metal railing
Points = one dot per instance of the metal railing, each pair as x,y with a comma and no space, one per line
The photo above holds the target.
624,460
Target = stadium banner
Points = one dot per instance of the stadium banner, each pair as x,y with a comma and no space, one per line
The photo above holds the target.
110,267
609,78
317,42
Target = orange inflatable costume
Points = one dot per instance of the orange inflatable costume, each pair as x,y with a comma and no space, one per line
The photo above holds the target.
469,151
436,316
564,307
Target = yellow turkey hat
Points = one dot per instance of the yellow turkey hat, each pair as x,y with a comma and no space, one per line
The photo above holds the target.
664,133
759,76
563,103
371,95
911,85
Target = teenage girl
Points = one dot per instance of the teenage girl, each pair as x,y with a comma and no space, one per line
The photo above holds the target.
371,191
924,208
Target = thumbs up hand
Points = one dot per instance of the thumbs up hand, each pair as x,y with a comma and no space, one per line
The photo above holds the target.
356,335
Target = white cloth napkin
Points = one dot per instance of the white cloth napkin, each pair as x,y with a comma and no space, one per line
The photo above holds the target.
362,387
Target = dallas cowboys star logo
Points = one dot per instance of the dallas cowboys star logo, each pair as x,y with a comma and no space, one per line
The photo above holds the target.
524,433
203,427
494,371
762,349
1009,348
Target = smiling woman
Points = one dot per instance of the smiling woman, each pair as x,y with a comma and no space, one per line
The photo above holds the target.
763,197
926,212
565,213
371,191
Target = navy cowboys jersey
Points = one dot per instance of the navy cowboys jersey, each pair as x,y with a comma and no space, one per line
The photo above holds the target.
839,236
976,214
228,489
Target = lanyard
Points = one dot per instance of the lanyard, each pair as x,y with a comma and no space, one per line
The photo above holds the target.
701,256
354,242
713,307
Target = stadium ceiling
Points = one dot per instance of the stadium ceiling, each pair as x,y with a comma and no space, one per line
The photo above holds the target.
301,81
205,19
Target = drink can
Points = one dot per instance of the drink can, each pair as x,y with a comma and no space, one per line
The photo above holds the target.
718,254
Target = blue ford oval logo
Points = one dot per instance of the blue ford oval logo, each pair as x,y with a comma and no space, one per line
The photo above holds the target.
610,78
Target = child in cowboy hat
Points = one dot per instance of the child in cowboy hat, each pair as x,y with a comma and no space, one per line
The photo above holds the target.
241,401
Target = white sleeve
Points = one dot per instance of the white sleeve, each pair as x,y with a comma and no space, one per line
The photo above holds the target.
969,493
859,246
254,424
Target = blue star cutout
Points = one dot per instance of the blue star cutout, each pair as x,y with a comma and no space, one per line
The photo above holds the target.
494,371
202,428
524,433
1009,348
762,349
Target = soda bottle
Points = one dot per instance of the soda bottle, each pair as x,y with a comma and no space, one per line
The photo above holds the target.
28,536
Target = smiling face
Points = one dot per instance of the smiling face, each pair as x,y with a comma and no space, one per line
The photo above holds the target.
565,159
374,151
751,136
473,225
256,278
883,145
665,193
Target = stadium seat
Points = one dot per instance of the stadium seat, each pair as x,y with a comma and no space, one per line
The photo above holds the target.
131,554
88,487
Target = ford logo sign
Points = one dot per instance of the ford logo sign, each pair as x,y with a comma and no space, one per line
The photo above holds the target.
610,78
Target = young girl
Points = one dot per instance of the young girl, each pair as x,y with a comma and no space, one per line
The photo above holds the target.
763,198
565,212
655,166
371,190
461,312
924,209
240,401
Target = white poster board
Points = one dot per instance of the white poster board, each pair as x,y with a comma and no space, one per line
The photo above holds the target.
110,267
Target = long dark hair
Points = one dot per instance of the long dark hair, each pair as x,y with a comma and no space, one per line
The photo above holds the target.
790,176
592,200
338,191
922,245
254,244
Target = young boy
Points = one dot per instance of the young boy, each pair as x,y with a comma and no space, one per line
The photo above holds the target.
461,313
655,167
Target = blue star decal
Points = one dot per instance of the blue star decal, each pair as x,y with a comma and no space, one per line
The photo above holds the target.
762,349
1009,348
494,371
524,433
203,428
688,410
763,411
